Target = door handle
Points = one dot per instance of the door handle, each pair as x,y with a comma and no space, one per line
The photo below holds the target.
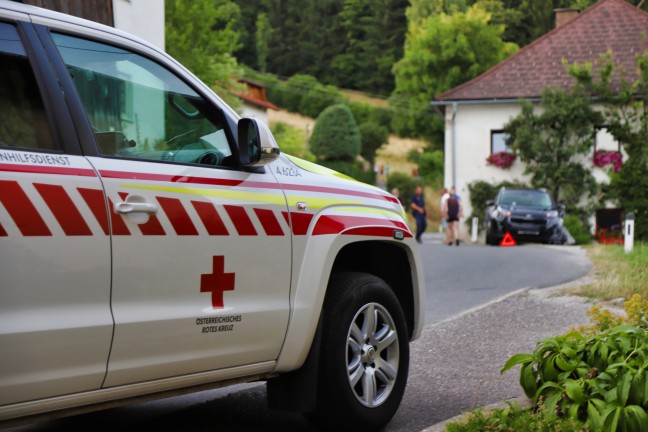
135,207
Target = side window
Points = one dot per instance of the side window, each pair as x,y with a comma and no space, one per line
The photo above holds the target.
23,122
498,142
138,109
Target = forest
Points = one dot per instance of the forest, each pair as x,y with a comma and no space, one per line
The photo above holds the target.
404,51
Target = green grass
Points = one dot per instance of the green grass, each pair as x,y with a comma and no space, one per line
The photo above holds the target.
616,274
514,418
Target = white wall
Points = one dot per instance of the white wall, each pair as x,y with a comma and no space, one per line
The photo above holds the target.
473,125
250,111
143,18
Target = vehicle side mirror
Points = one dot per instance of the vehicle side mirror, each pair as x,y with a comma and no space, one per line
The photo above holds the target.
257,146
490,203
561,209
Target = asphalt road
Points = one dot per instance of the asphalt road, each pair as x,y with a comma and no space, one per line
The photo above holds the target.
453,365
460,278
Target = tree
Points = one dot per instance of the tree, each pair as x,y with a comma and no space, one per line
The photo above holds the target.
262,38
201,34
317,98
306,35
625,115
421,10
375,33
373,137
584,4
430,166
295,88
440,53
335,135
553,143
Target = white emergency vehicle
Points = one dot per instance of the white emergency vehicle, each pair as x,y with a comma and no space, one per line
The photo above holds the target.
153,243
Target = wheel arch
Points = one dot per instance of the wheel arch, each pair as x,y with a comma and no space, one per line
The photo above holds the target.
392,262
387,261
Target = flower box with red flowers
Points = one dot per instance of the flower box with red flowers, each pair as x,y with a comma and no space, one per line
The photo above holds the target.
501,159
611,235
603,158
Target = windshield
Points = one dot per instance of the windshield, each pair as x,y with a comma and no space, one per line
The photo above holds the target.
526,198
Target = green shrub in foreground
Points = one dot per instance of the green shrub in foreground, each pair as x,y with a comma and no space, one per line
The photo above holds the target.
600,379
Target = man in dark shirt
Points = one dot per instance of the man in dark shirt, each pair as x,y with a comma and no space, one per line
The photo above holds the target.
418,210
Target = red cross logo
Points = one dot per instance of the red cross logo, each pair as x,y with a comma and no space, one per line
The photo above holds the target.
217,282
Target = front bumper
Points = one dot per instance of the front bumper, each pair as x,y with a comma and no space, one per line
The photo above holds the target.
539,231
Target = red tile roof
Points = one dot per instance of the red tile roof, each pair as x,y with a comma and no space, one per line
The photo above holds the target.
608,25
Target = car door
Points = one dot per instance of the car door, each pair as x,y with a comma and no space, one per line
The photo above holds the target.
55,320
201,246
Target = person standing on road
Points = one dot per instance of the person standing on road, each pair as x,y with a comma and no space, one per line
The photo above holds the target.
418,210
444,221
396,193
453,211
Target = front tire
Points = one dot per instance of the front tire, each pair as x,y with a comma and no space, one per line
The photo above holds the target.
492,240
365,355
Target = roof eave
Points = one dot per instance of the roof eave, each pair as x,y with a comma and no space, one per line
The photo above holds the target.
494,101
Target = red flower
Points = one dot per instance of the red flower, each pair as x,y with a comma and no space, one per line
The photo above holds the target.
613,235
602,158
501,159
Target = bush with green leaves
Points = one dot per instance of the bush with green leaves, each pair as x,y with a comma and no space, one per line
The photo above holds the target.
335,135
317,98
578,229
291,140
373,136
599,379
365,112
294,90
430,164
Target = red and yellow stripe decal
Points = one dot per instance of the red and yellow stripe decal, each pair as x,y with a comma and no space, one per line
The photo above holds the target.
69,217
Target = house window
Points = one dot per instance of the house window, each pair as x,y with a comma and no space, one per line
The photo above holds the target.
498,142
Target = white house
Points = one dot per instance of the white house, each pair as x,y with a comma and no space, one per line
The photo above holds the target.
143,18
476,111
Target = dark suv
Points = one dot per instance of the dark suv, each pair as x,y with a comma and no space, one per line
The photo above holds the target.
527,214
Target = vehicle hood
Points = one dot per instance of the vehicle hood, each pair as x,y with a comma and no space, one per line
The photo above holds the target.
329,187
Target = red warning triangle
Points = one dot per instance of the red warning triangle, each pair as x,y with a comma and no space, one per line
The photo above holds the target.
508,240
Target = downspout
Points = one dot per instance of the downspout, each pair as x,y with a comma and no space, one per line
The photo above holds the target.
453,143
